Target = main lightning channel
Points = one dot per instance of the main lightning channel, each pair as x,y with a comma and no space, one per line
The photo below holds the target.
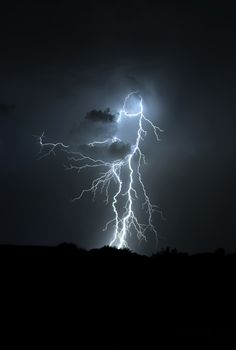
125,223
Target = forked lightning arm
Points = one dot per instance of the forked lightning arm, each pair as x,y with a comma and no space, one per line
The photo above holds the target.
127,222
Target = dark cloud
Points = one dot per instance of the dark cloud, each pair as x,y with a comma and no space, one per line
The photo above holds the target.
100,125
101,116
6,109
119,149
96,125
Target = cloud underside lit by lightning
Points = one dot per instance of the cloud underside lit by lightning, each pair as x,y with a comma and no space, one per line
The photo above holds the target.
125,222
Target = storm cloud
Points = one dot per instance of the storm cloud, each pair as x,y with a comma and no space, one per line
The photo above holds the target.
101,116
96,125
119,149
99,125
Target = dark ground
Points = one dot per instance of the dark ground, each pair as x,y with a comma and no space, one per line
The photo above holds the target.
116,299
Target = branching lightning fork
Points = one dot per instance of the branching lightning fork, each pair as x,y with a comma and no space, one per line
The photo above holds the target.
125,223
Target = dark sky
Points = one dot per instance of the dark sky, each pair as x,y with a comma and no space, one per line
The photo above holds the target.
60,60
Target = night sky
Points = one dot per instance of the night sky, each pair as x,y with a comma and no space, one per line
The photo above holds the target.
59,61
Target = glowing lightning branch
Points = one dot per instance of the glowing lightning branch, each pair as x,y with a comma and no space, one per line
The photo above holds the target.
127,222
50,147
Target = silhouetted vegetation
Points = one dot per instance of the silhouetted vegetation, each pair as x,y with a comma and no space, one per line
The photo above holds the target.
112,252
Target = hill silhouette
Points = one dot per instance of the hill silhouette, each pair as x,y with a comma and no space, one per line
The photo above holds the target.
169,298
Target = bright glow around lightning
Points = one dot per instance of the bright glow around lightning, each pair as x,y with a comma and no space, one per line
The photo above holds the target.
130,189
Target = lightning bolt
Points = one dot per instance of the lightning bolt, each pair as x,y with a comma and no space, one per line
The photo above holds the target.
126,223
